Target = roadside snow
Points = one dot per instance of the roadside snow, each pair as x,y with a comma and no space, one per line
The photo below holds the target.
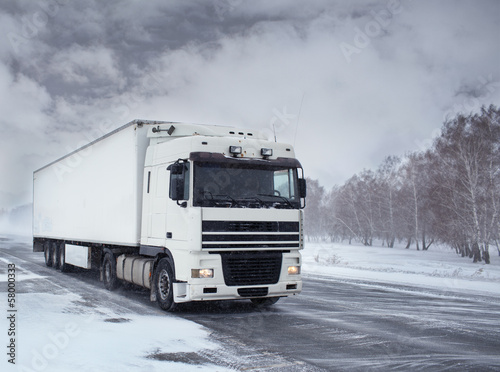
62,331
56,334
439,267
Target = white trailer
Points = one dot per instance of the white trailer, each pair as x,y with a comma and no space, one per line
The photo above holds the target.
192,212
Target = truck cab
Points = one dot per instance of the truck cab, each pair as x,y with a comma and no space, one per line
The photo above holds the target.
222,214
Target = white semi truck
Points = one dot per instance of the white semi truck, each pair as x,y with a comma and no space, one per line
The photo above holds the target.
191,212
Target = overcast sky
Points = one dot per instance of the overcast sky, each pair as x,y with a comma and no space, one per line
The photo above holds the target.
346,82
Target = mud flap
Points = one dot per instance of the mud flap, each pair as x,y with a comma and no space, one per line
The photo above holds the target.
38,246
152,293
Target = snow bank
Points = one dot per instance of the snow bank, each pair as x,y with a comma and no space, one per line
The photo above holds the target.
439,267
57,334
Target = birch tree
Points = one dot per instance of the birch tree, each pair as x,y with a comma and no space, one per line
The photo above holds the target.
468,151
389,186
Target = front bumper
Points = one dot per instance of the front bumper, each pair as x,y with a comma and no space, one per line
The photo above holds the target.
184,292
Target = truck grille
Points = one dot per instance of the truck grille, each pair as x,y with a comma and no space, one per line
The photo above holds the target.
250,234
253,292
251,268
250,226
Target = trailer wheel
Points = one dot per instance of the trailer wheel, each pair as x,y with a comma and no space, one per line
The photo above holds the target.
264,302
109,272
55,255
62,258
163,281
47,252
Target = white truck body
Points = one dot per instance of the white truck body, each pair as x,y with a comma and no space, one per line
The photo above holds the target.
95,193
221,206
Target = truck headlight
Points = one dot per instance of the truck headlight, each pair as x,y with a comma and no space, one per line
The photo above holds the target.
202,273
293,270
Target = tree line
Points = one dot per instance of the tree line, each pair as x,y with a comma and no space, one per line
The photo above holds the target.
449,194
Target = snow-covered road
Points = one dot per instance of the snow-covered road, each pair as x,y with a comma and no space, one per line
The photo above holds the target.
69,322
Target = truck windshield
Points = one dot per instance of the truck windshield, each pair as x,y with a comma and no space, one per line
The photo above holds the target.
245,186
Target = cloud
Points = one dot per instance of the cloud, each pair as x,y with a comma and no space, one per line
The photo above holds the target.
23,122
232,62
85,66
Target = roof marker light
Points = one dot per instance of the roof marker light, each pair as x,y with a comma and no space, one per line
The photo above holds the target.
235,150
266,152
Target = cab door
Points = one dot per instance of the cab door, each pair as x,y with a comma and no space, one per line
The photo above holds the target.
155,206
177,221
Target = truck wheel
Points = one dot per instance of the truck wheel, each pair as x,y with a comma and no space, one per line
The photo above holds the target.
47,252
109,272
163,281
55,255
264,302
62,258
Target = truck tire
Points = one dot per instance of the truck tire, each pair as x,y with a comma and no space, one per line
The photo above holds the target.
264,302
47,252
163,282
109,272
62,258
55,255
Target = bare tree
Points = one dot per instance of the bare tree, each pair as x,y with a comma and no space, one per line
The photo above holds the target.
389,185
449,193
468,152
314,211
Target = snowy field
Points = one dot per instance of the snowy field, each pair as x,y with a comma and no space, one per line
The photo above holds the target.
438,268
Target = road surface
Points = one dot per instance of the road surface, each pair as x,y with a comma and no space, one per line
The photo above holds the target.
334,325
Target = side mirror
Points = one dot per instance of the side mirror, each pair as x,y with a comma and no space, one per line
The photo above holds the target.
176,187
178,172
302,188
176,168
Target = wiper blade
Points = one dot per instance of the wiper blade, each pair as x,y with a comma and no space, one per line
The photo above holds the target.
260,201
280,197
213,198
233,201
